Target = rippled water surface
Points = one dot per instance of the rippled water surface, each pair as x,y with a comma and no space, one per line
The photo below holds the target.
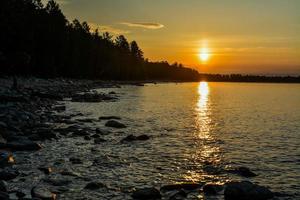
197,130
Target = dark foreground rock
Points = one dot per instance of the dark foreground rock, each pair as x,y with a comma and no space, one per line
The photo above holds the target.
212,189
246,190
146,193
131,138
114,124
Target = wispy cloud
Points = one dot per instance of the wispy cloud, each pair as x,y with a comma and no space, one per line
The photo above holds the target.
145,25
107,28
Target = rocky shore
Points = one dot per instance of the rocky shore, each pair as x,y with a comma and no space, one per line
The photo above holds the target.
32,113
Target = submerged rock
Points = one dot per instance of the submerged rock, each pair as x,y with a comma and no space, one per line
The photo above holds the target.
75,160
99,140
131,138
43,193
46,170
247,191
94,186
185,186
146,193
243,171
114,124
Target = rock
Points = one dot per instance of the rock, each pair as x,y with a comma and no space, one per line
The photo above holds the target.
75,160
110,118
58,182
212,189
247,191
4,196
3,186
114,124
46,170
146,193
131,138
99,140
99,131
87,137
6,158
43,193
246,172
94,186
59,108
185,186
8,174
25,145
86,120
179,195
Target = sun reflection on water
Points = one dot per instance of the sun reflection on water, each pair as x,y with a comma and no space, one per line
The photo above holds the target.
207,153
203,118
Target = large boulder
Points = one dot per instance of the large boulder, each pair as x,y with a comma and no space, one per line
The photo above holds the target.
246,190
146,193
114,124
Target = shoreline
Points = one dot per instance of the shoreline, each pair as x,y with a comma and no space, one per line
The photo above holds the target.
29,117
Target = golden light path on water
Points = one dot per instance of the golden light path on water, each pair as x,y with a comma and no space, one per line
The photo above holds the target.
206,153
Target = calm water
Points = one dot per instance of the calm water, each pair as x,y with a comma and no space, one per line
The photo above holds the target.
197,129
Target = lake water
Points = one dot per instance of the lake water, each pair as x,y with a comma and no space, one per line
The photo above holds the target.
198,130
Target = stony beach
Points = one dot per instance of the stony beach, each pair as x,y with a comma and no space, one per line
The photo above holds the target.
33,113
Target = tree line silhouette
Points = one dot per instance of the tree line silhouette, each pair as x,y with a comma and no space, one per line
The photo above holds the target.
38,40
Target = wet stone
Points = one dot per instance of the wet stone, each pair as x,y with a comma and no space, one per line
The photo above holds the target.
146,193
43,193
212,189
8,174
75,160
185,186
114,124
131,138
94,186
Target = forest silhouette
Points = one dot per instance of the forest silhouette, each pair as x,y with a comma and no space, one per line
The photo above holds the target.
38,40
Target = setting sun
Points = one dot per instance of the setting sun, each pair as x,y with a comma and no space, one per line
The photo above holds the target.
204,54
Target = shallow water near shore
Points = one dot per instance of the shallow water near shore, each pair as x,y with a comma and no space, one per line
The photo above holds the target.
197,130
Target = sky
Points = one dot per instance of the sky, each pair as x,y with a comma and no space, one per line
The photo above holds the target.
236,36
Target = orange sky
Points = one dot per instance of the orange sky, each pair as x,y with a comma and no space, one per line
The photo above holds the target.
249,36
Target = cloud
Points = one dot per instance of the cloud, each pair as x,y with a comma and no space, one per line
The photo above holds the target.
107,28
144,25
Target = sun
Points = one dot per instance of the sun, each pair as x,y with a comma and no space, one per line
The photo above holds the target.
204,54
